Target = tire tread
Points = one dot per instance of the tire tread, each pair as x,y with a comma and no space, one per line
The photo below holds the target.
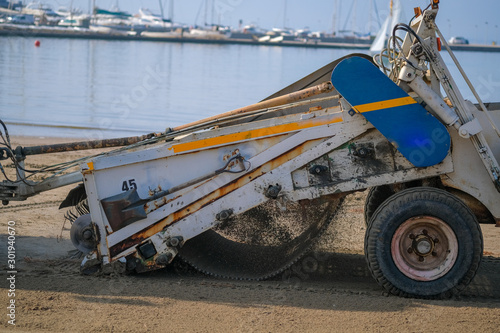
399,201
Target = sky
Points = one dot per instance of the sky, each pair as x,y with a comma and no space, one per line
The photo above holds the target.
476,20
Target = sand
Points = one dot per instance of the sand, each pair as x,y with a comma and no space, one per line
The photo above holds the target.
335,294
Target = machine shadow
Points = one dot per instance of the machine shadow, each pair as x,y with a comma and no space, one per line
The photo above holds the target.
317,281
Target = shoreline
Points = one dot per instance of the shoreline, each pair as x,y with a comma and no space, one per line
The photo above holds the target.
10,30
53,296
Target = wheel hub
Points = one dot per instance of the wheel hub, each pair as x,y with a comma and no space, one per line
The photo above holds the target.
82,234
422,245
424,248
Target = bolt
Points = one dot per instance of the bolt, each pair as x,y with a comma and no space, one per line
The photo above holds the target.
273,191
425,232
410,250
436,240
420,258
224,215
363,152
87,234
318,169
175,241
434,254
408,75
132,264
164,259
411,236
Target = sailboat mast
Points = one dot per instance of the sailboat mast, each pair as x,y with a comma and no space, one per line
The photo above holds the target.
370,19
213,14
161,13
171,11
284,16
206,12
354,27
334,18
93,12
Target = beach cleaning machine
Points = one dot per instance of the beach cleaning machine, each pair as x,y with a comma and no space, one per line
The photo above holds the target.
244,194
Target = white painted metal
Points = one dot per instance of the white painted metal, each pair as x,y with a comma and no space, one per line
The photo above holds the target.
281,150
471,128
473,90
435,102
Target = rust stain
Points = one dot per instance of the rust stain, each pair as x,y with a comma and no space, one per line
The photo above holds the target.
277,101
210,198
84,145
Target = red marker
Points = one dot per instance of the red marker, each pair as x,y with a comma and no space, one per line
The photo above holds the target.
37,43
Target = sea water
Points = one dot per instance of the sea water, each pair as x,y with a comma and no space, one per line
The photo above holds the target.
100,89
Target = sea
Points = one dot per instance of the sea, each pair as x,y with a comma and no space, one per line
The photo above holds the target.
96,89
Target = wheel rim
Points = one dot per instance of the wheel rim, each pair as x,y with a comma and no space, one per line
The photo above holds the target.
424,248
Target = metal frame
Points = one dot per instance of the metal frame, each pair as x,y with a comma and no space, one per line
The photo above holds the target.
307,145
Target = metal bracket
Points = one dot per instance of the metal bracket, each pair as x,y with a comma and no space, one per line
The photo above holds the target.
473,127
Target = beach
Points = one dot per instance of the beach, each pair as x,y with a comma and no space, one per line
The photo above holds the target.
336,294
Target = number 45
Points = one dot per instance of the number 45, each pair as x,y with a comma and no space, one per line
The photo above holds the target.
129,184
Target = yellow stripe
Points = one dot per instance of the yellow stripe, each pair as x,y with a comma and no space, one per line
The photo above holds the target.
90,166
253,134
390,103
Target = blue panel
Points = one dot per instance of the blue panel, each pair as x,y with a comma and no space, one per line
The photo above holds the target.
417,134
362,84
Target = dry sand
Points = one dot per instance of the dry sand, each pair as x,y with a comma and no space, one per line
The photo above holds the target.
331,292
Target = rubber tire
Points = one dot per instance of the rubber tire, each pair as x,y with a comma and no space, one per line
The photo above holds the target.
415,202
376,196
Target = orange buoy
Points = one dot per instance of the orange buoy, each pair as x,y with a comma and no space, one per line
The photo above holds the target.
37,43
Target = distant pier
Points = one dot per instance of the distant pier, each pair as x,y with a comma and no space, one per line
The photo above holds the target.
59,32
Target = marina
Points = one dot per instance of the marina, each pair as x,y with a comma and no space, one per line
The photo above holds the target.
111,88
41,21
234,180
56,32
49,32
97,83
